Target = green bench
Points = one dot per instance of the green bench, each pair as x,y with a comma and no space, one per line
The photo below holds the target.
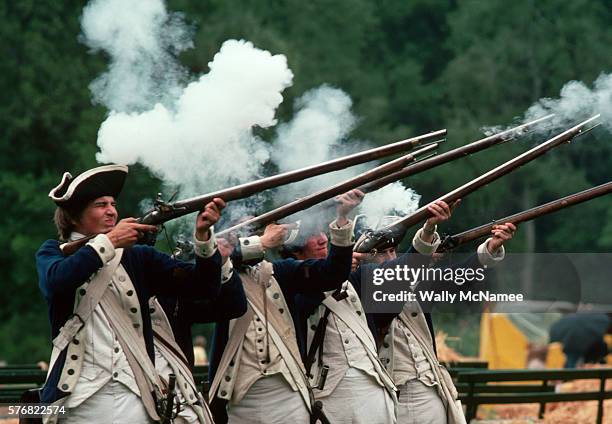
14,380
474,388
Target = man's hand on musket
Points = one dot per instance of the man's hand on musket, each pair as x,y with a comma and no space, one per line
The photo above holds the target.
127,232
357,259
274,236
347,202
440,212
208,217
501,234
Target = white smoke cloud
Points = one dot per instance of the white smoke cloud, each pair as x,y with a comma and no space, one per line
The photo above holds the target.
393,199
576,103
323,120
142,39
320,131
205,141
195,137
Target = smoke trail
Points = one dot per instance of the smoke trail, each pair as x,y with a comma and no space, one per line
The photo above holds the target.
316,134
142,40
320,131
577,102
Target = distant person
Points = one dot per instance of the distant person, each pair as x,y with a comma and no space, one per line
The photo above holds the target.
582,337
199,350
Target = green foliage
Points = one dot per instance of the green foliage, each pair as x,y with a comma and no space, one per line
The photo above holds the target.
410,67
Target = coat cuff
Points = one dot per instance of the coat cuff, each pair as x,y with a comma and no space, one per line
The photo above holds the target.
423,247
226,271
103,247
490,259
205,249
251,248
341,236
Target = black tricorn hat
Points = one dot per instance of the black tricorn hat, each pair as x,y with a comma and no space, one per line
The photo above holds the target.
74,193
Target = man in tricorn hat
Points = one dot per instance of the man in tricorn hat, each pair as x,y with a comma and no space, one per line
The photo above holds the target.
101,367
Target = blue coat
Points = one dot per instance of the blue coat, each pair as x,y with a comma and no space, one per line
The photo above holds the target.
183,312
152,273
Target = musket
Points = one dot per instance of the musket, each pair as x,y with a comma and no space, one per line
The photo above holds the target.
372,240
453,241
374,184
451,155
163,211
168,404
325,194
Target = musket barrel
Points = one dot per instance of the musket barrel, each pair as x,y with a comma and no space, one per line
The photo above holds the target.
242,191
422,213
328,193
458,239
451,155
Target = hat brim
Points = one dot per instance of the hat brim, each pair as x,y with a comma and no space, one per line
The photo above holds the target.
102,181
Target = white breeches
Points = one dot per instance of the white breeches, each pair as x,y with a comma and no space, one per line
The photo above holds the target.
270,400
359,399
420,404
113,403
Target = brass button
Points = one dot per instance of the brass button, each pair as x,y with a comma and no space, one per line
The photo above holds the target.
102,249
116,350
122,278
414,314
151,310
223,393
74,357
130,292
276,295
64,387
133,310
70,371
75,341
82,292
227,378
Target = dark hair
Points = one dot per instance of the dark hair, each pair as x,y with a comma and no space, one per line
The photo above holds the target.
64,220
